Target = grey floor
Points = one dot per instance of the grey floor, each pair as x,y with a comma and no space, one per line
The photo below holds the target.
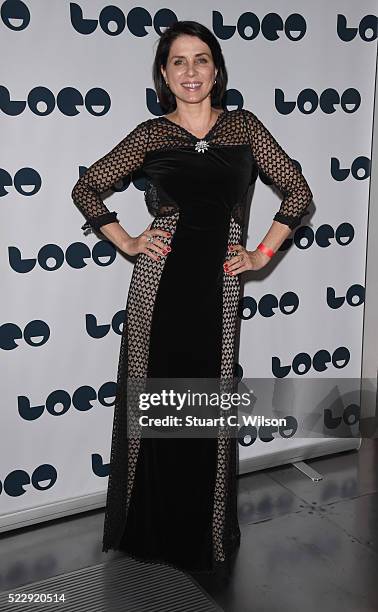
305,546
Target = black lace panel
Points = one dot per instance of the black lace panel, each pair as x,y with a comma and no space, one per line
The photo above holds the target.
280,168
232,128
238,213
123,159
157,202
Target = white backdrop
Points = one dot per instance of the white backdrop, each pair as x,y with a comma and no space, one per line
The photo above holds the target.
76,80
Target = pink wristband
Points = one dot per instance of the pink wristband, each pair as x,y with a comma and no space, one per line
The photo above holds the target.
265,249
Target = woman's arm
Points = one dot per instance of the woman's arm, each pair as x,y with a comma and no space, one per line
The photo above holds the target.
124,158
275,163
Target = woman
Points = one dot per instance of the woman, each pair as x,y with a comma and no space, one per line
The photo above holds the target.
174,500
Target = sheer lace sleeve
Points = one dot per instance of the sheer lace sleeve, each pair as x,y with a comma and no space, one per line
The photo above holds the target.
124,158
275,163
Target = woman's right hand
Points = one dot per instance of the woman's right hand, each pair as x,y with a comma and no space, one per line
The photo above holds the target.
140,244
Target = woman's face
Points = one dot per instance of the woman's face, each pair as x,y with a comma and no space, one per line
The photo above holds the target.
190,61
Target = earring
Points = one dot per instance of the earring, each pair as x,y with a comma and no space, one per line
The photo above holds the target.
215,81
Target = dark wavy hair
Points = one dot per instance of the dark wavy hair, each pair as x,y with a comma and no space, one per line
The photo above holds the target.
166,98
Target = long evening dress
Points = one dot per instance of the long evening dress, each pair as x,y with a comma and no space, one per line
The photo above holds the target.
175,500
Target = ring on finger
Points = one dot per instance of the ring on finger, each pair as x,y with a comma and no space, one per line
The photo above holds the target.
150,238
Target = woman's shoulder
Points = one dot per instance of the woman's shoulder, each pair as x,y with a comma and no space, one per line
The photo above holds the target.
242,114
247,113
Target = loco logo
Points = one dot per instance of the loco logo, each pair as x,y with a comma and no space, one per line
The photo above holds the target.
98,330
360,169
287,304
249,26
248,434
58,402
26,181
112,20
51,257
367,28
302,362
15,483
325,236
349,417
41,101
36,333
308,101
355,296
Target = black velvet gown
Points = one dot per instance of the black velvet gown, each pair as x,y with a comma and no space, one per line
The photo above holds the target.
175,500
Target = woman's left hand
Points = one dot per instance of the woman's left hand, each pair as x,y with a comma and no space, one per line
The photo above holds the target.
244,260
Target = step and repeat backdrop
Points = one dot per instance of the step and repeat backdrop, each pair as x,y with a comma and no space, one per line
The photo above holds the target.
75,79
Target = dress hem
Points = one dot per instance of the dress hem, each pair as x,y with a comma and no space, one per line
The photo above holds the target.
218,565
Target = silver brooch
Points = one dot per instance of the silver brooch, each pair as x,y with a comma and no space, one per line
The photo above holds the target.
201,146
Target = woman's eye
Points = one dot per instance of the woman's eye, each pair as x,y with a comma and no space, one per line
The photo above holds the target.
202,59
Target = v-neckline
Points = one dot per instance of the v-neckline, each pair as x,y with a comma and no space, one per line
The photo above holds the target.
220,115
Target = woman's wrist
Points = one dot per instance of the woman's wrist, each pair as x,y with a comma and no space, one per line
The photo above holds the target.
259,256
126,243
263,248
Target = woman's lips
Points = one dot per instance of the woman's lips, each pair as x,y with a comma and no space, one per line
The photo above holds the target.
191,87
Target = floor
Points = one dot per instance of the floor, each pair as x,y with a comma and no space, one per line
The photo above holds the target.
305,546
